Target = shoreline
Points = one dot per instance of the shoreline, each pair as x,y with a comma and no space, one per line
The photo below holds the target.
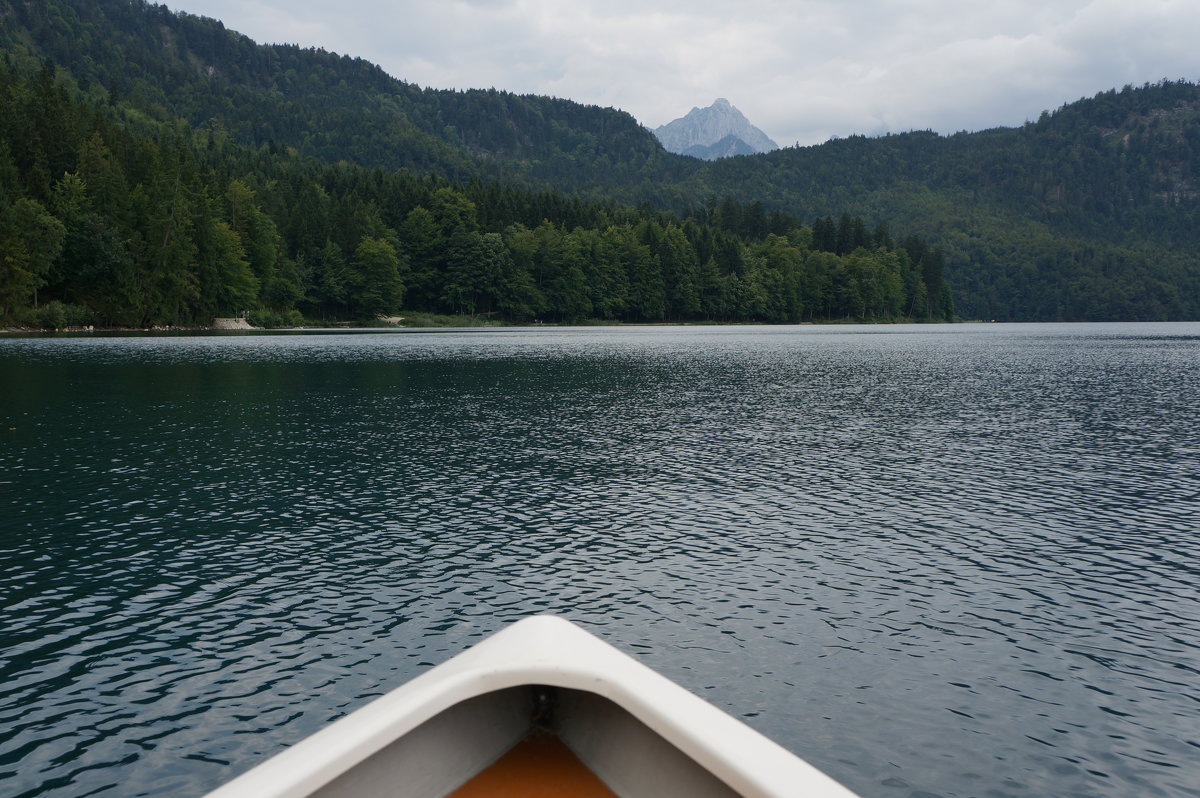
456,324
416,323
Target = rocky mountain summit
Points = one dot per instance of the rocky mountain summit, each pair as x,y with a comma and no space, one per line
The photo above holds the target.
718,131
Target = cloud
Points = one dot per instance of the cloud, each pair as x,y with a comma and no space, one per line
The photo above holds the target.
803,71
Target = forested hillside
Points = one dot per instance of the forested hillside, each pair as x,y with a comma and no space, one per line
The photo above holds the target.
165,65
150,224
1091,212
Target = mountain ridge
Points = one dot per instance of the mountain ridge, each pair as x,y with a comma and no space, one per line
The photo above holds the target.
325,105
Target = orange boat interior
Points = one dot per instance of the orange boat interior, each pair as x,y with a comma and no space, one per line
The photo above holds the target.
540,766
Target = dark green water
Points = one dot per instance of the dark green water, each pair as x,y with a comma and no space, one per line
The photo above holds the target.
955,561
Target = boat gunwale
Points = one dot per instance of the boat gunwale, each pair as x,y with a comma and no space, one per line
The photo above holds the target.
542,650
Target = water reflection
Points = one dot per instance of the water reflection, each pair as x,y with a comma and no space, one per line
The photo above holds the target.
948,561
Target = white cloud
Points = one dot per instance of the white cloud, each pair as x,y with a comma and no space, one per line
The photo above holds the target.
802,71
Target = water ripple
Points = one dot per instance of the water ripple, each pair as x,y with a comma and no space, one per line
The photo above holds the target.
931,560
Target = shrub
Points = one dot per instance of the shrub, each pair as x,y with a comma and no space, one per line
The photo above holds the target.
56,315
275,318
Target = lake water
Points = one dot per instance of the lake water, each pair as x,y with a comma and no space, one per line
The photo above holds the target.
951,561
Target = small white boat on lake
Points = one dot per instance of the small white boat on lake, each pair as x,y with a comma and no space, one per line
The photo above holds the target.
539,708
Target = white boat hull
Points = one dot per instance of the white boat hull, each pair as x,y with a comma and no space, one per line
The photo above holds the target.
642,734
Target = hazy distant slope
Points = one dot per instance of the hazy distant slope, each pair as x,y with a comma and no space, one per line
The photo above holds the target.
727,147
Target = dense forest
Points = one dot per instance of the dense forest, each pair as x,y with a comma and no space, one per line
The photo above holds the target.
1090,212
104,223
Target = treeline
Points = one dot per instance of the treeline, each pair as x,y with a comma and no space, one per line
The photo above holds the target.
102,224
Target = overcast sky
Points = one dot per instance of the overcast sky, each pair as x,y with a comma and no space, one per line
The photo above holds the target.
802,70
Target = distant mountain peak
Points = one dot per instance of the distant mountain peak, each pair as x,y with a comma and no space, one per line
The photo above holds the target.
718,131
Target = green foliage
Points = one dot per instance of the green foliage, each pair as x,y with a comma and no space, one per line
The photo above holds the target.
225,283
55,315
273,319
157,168
30,242
375,277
